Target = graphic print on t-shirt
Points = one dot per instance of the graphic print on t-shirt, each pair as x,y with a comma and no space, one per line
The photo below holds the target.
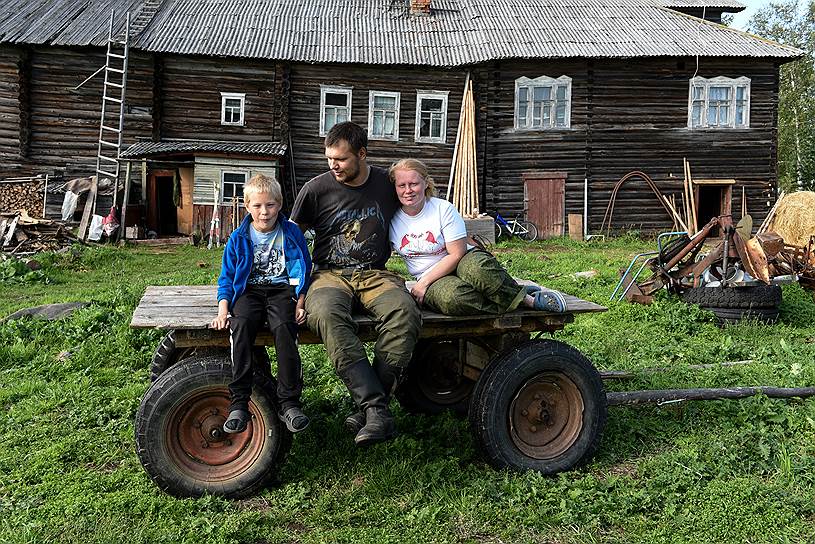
357,241
420,244
269,264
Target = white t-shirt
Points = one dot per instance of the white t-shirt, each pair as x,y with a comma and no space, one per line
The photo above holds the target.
420,239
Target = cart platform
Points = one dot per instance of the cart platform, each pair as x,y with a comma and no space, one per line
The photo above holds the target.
189,309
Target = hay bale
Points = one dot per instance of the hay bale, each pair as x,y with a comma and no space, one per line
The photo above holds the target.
795,218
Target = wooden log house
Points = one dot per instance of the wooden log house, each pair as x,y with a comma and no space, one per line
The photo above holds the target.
569,96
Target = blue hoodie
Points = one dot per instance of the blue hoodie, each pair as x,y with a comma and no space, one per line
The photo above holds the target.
239,256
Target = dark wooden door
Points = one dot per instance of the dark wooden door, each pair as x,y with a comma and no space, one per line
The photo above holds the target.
545,194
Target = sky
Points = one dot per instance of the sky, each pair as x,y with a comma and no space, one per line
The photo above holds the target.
740,20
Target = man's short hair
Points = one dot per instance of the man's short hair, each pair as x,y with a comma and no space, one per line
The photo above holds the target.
262,184
352,133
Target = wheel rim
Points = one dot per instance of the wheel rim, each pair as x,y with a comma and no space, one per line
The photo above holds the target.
198,445
439,378
546,415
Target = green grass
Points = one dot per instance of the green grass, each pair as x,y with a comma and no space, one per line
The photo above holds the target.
721,471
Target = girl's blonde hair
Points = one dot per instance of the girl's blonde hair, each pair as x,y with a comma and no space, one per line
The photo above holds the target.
418,167
262,184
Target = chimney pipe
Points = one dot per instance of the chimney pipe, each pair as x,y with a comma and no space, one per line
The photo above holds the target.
420,7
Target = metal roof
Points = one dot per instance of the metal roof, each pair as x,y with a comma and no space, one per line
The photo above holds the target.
458,32
176,147
730,6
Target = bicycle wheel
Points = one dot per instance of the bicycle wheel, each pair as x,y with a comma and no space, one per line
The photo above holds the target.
526,231
500,231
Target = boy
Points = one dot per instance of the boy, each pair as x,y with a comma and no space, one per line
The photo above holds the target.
263,259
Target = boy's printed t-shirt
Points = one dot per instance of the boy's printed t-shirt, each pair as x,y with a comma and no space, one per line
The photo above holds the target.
269,265
420,239
350,223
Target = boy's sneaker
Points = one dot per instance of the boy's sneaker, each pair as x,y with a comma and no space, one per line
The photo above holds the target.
550,301
236,422
295,419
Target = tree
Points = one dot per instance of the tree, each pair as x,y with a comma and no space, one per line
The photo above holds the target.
788,23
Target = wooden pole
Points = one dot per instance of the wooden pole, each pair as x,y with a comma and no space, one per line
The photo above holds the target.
122,234
458,136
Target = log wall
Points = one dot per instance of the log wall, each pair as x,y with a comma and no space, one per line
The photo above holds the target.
304,114
627,116
190,94
10,59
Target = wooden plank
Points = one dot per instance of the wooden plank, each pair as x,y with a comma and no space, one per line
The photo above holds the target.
193,306
576,227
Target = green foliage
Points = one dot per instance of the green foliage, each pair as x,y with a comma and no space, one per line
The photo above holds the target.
16,271
793,23
722,471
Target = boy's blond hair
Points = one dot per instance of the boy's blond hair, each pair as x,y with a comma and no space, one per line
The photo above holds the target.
418,167
262,184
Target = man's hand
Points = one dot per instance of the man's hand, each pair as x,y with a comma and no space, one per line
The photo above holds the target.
220,323
300,316
418,291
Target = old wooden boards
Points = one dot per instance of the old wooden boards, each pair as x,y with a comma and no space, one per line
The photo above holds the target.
188,309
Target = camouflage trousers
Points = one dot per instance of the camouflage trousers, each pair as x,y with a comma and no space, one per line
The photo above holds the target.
480,285
331,299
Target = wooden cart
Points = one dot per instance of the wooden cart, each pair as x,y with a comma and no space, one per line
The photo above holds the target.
533,404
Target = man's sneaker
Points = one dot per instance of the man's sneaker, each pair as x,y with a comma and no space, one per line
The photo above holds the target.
550,301
295,419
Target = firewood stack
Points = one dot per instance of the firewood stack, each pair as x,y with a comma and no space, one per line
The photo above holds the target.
21,234
22,194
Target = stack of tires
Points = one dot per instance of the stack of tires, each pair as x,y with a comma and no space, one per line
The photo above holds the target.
732,304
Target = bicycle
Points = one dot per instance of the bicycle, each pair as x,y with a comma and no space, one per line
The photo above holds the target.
525,230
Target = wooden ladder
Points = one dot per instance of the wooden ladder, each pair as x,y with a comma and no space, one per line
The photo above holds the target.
113,109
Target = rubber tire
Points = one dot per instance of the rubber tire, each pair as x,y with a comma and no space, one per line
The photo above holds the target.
726,316
413,396
167,355
531,233
502,380
760,296
500,231
193,376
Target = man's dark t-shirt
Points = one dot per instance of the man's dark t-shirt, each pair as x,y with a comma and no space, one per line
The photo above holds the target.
350,223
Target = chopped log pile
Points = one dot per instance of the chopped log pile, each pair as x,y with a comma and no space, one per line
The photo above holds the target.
21,234
23,194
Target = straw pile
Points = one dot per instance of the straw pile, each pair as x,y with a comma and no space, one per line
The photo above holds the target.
795,218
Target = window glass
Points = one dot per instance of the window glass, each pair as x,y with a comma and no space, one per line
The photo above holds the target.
232,187
336,99
542,103
431,118
719,102
383,116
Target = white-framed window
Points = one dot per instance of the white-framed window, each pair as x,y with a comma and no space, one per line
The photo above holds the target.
383,115
232,186
719,102
335,106
232,105
431,116
543,103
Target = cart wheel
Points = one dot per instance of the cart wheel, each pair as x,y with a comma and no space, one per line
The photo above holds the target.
167,355
180,439
434,382
541,406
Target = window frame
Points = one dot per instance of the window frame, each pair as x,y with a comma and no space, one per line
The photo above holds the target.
337,89
432,95
233,96
224,173
387,94
543,81
719,81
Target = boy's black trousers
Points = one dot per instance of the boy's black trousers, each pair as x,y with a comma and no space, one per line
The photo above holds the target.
274,305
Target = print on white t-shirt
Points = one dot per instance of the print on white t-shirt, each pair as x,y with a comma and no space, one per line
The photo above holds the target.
421,239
